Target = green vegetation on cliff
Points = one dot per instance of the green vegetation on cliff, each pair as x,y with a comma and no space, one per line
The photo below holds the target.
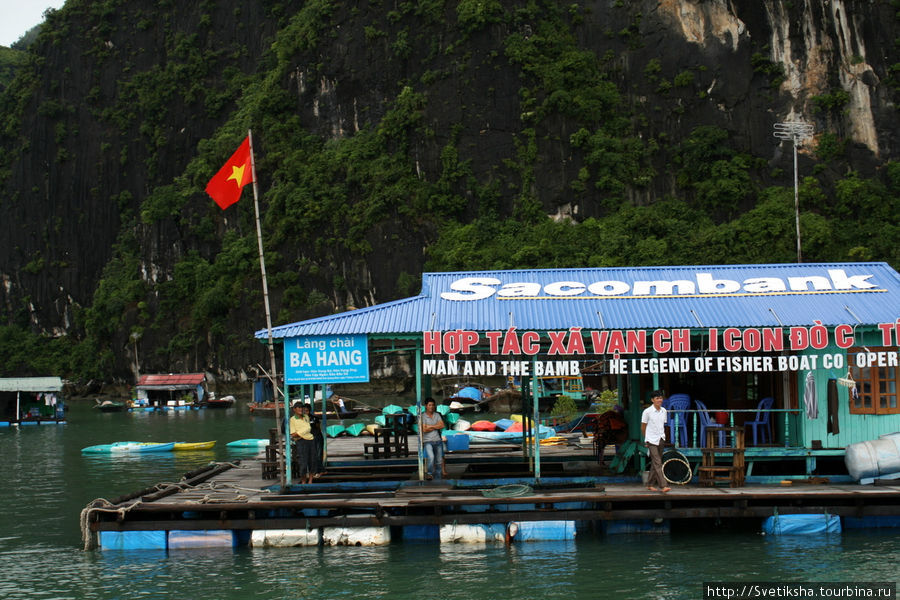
393,138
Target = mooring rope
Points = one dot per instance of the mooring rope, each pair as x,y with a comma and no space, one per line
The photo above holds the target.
85,518
508,491
89,541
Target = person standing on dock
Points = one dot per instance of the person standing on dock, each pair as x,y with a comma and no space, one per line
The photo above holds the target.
318,461
431,424
653,430
304,443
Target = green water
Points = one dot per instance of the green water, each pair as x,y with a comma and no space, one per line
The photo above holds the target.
46,482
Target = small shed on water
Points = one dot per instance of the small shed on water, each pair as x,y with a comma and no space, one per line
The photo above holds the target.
31,400
820,339
170,391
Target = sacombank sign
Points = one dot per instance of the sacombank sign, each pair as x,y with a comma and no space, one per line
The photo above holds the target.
699,286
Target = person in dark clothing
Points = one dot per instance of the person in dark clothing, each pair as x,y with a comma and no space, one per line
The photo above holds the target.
304,445
318,463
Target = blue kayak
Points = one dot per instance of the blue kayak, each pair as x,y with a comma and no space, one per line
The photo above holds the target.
248,443
129,447
503,436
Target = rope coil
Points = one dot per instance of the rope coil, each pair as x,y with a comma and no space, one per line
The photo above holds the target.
508,491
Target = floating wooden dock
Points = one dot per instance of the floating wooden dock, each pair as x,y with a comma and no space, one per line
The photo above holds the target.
490,485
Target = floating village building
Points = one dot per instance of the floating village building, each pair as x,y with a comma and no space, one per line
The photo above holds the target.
771,372
804,355
172,391
31,401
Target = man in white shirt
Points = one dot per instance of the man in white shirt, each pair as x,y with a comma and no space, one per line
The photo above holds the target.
653,430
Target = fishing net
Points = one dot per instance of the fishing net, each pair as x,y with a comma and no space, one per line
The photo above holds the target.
677,471
676,468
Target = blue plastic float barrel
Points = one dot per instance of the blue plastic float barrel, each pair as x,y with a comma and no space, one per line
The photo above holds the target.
801,524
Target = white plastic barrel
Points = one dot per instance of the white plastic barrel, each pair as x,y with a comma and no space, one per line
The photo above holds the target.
356,536
284,538
477,533
213,538
873,458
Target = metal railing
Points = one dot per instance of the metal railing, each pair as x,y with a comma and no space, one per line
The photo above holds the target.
695,425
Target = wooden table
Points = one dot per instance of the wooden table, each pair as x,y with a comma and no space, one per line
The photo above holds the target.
389,441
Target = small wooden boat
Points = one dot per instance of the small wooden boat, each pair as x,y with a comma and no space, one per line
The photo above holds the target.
337,416
343,408
468,398
262,409
129,447
355,429
267,409
188,446
223,402
110,405
248,443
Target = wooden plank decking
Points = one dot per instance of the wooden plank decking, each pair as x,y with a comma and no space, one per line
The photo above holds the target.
369,492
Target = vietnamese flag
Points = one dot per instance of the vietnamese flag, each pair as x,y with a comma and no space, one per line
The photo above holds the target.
225,187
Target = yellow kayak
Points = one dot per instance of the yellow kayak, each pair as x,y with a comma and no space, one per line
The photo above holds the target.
182,446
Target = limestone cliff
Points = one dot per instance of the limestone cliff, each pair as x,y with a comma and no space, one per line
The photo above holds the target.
379,123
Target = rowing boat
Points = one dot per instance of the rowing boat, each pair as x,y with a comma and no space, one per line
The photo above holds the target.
186,446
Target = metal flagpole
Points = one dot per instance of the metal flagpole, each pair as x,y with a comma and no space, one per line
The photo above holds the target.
262,267
536,421
421,456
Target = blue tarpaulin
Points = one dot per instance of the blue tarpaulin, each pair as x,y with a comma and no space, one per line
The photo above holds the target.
801,524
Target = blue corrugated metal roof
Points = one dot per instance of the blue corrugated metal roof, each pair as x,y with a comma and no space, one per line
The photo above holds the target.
629,298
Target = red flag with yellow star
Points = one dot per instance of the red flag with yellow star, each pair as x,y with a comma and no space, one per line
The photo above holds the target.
225,187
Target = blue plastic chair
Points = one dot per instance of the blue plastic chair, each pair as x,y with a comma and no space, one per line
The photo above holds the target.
760,425
676,404
706,420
